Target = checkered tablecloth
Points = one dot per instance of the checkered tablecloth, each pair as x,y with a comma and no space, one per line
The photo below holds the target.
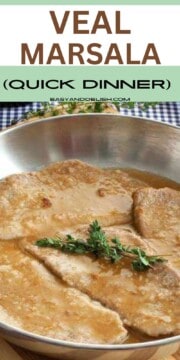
167,112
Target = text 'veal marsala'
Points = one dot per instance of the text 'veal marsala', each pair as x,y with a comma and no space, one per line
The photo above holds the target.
93,53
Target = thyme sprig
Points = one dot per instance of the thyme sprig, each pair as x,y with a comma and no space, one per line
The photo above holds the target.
98,245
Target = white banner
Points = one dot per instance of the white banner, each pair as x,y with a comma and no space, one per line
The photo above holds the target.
89,35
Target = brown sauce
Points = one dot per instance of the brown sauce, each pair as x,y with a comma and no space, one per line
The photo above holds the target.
153,180
6,248
157,182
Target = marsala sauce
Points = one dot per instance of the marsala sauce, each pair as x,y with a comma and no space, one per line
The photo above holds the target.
25,294
157,182
153,180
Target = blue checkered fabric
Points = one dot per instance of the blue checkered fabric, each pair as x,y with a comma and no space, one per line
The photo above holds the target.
167,112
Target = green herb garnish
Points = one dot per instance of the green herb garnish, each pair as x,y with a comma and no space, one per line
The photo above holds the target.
98,245
84,107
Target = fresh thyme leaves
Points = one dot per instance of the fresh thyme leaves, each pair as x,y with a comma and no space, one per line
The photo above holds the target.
98,245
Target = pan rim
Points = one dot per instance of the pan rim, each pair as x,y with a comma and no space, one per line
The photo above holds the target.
22,124
29,336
